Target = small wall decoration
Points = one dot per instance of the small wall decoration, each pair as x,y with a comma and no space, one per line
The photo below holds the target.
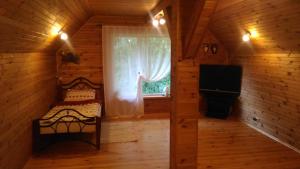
214,48
69,57
205,47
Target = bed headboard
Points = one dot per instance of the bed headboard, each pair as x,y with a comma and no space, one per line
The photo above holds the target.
82,83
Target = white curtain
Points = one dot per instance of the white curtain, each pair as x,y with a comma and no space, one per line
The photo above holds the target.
132,55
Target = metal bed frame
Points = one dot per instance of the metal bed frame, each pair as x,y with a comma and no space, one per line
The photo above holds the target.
78,83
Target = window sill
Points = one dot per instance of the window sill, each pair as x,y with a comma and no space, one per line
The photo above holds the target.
148,97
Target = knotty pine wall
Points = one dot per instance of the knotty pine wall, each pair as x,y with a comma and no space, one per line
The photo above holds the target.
270,99
27,87
87,43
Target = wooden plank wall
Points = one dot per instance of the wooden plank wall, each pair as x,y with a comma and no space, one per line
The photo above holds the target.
27,87
270,90
270,99
157,105
87,43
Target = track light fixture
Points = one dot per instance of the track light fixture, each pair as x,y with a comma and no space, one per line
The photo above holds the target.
158,19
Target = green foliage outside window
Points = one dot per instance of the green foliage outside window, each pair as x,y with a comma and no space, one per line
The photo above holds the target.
152,88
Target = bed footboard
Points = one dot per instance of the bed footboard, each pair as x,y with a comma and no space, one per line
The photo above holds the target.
59,118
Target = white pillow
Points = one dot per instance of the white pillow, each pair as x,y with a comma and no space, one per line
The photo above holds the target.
80,95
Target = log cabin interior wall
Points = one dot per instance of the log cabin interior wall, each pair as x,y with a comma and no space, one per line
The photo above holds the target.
28,68
27,87
86,42
271,106
270,86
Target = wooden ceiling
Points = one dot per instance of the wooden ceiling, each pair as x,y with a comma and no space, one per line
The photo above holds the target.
26,25
277,25
121,7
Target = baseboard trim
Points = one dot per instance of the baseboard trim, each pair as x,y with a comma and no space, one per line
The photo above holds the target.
273,138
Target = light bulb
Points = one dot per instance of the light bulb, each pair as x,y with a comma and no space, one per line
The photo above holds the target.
254,33
55,29
155,22
246,37
63,36
162,21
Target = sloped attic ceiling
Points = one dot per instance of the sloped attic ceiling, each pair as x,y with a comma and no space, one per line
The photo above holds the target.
27,25
276,23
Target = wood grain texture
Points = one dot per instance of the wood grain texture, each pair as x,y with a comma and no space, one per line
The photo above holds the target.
87,43
25,26
122,7
184,115
276,23
222,144
157,105
185,77
198,22
27,87
270,94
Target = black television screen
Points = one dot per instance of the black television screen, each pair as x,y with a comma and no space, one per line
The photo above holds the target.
220,78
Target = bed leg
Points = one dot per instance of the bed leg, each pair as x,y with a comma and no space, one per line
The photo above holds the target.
98,132
36,137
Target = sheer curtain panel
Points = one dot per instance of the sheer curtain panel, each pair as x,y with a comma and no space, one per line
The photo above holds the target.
132,55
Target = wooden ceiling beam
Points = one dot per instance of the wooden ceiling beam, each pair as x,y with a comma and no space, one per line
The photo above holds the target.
168,16
162,5
201,14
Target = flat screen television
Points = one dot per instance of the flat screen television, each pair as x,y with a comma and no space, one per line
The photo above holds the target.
221,78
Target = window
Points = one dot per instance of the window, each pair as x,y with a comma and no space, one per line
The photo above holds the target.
133,55
161,87
125,46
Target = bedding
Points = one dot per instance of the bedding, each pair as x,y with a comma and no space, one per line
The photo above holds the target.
88,108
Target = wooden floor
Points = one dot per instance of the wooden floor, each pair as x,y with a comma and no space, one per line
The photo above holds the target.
222,145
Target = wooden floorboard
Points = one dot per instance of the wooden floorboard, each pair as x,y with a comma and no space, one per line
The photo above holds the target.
223,144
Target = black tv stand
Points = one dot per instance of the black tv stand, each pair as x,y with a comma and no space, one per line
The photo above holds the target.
219,102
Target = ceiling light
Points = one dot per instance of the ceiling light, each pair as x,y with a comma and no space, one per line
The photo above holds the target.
63,36
155,22
162,21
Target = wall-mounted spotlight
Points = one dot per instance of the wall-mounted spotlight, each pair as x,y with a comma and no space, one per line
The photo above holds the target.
63,36
155,22
246,36
158,19
162,21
